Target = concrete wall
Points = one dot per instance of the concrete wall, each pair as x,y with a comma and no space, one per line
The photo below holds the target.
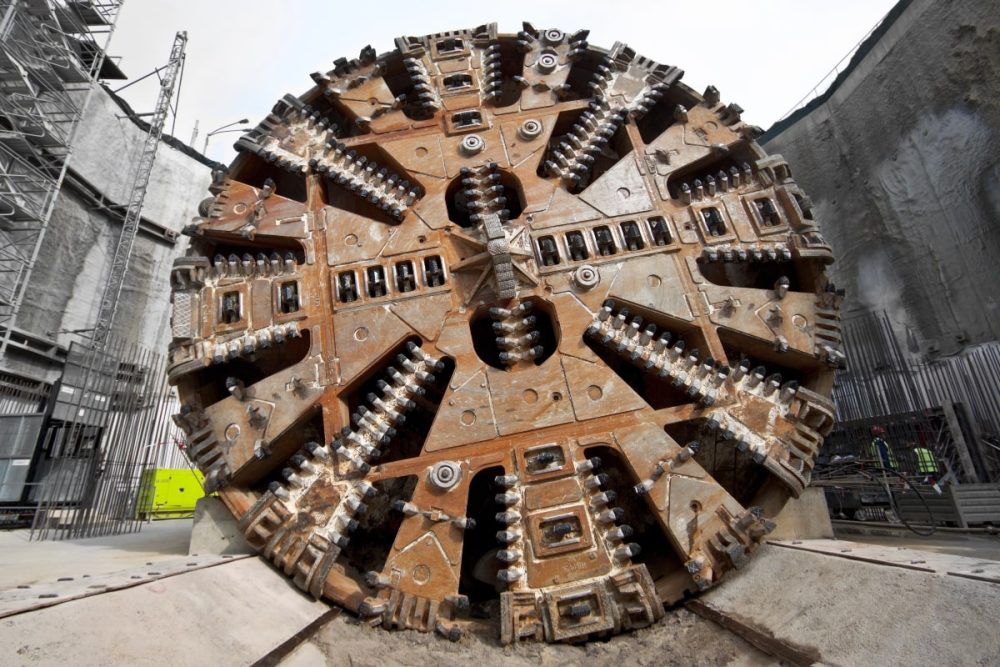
106,150
804,518
68,281
903,163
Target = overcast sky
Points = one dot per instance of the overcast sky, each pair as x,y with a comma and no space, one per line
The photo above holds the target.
243,55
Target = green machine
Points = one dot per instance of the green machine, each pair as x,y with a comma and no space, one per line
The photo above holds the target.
169,493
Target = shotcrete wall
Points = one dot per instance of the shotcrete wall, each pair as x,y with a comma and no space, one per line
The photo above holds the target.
68,280
903,163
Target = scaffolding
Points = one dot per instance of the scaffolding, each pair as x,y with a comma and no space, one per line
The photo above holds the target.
137,194
73,454
52,53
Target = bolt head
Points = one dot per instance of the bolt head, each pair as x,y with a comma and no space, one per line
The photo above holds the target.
444,475
587,277
553,36
473,144
547,63
530,129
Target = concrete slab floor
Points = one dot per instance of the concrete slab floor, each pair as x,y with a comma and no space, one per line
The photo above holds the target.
234,614
859,613
231,614
956,544
25,562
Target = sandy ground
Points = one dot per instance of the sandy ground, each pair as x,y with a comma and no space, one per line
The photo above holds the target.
25,562
679,639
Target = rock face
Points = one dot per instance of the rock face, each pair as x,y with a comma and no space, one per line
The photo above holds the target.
505,318
901,161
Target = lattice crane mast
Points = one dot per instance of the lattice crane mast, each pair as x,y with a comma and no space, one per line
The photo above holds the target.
137,194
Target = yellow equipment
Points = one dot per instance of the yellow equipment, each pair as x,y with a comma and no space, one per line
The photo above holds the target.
169,493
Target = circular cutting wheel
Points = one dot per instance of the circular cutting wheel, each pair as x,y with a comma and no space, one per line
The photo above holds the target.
505,329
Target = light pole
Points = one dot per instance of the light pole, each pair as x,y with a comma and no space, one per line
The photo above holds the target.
218,130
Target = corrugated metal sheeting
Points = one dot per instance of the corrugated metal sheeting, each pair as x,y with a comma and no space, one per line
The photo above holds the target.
884,386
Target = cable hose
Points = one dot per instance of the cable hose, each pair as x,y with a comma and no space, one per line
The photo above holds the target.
895,507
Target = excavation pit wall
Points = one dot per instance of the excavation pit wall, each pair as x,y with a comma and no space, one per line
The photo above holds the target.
901,163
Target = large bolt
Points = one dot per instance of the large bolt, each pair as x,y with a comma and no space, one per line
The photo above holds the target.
547,63
553,36
530,129
472,144
444,475
586,277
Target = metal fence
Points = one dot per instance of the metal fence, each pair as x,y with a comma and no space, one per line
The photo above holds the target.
22,405
21,396
107,421
949,405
